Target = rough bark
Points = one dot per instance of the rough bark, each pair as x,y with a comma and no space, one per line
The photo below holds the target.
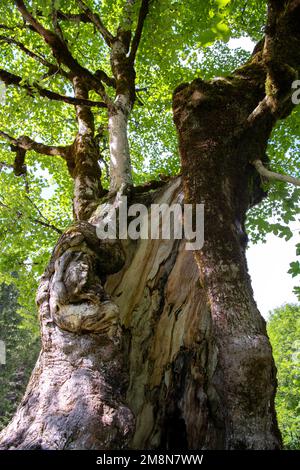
88,382
119,111
216,172
82,159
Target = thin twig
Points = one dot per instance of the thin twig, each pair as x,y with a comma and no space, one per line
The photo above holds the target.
271,175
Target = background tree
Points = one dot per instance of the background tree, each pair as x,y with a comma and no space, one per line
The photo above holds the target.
283,329
22,348
131,339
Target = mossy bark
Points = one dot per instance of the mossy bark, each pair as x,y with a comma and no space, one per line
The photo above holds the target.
216,146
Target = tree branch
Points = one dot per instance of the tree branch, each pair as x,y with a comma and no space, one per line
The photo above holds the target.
280,65
103,77
53,68
11,79
76,17
271,175
144,10
58,46
96,20
282,62
27,51
46,224
55,23
27,143
62,53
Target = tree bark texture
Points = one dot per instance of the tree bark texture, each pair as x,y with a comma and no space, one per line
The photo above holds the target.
124,73
216,172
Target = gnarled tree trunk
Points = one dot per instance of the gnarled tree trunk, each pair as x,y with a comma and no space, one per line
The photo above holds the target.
154,380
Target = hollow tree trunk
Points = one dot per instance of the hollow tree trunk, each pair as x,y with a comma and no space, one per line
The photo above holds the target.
155,385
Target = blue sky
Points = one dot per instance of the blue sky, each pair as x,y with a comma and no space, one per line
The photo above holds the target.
268,264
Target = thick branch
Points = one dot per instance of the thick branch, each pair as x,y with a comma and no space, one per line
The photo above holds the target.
4,26
139,28
83,156
274,65
11,79
58,46
56,24
27,143
96,20
271,175
281,53
20,168
85,117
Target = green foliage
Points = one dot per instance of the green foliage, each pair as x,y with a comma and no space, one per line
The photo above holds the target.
284,333
22,347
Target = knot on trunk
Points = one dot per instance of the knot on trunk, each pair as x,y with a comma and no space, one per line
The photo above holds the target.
77,272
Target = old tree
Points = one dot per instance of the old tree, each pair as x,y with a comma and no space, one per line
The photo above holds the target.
145,344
